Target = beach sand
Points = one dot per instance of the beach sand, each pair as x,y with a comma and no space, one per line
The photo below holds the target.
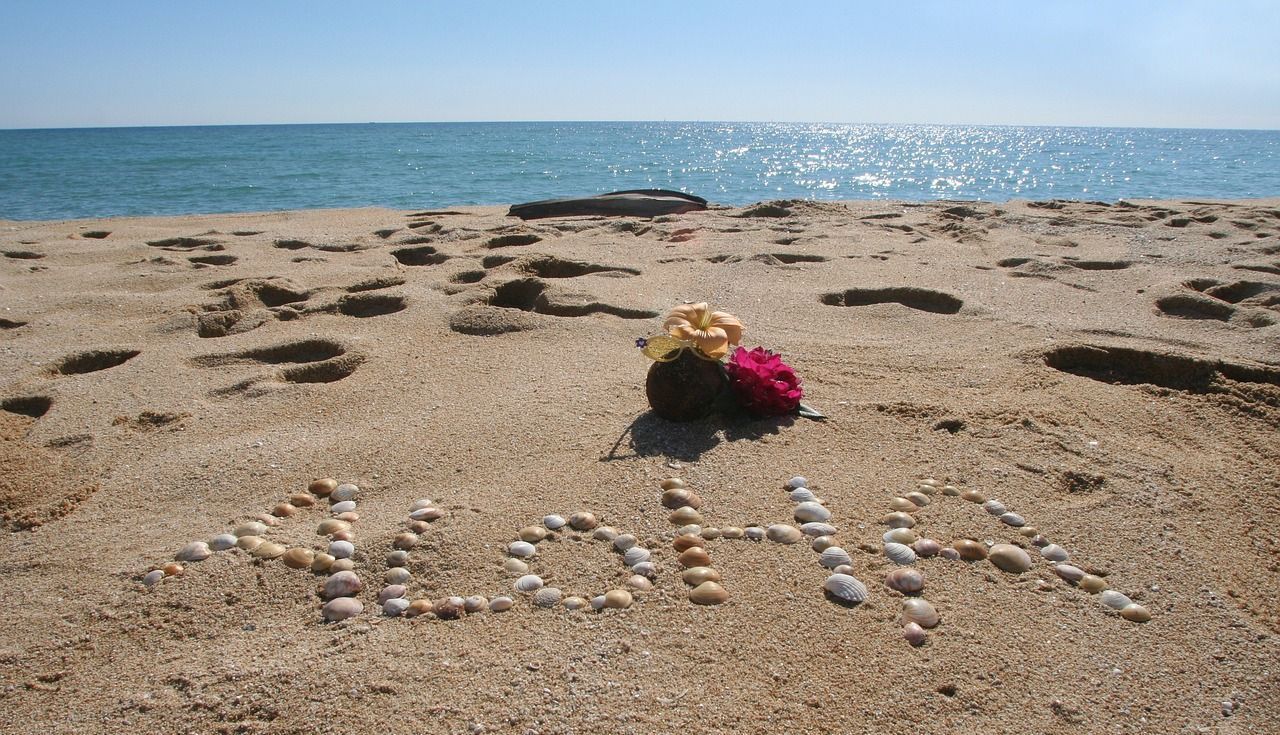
1112,373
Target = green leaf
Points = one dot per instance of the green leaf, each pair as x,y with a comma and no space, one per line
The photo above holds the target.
809,412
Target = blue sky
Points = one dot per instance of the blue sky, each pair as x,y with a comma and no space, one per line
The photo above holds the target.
1154,64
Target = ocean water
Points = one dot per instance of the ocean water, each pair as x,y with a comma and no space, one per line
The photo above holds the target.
75,173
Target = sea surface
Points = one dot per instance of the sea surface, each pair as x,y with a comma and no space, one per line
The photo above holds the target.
99,172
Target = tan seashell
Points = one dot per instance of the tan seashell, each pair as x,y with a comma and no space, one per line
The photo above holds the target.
671,483
903,505
268,550
605,533
919,611
973,496
298,558
250,528
321,563
687,541
640,582
350,516
583,521
418,607
397,575
930,482
732,532
515,566
501,603
283,510
1029,531
926,547
575,603
417,526
918,498
249,543
1092,583
343,536
405,541
1009,558
914,634
898,519
172,569
694,576
969,549
679,498
906,580
617,599
950,490
712,533
532,534
267,519
302,500
694,557
624,541
783,534
685,515
342,565
822,543
331,526
323,487
547,597
900,536
1069,572
341,608
1135,612
708,593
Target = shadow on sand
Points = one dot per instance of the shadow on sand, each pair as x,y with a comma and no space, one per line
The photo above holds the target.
649,435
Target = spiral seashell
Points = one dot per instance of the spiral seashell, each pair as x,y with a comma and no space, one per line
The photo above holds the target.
834,557
645,568
926,547
783,534
1009,558
554,522
405,541
397,575
321,563
624,541
341,608
687,541
528,583
694,576
919,611
268,550
501,603
532,534
343,507
903,505
298,558
330,526
342,584
797,481
322,487
973,496
1069,573
671,483
1054,552
222,542
1092,583
822,543
845,588
708,593
710,534
685,515
250,528
995,507
583,521
810,512
695,557
898,519
969,549
1114,600
616,600
899,536
521,549
515,566
1135,612
474,603
906,580
802,495
391,592
913,634
635,555
754,533
899,553
395,607
816,528
733,532
1013,519
919,499
605,533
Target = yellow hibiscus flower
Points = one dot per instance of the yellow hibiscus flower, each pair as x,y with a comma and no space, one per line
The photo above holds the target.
711,332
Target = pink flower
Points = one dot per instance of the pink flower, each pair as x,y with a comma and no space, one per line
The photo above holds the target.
764,384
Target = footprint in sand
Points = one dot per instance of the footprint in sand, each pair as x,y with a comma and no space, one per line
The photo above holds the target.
11,323
246,304
187,244
204,261
1242,303
49,485
768,258
93,361
302,361
327,247
922,299
31,406
23,254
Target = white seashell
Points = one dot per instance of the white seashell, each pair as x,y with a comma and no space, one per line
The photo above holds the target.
899,553
822,543
635,555
345,491
914,634
194,551
918,498
474,603
343,507
624,541
501,603
754,533
554,521
397,575
845,588
815,528
515,566
810,511
222,542
802,494
692,529
783,534
646,568
341,549
425,514
528,583
1069,573
547,597
391,592
251,528
900,536
421,503
797,481
930,482
1054,552
1114,600
834,557
1013,519
898,519
522,549
395,607
153,577
598,602
919,611
995,507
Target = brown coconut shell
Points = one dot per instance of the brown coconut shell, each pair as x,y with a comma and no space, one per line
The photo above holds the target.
684,389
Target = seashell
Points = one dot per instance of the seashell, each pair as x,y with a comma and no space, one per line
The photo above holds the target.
321,563
391,592
421,503
919,611
194,551
1069,573
397,558
902,504
449,608
397,575
692,529
341,549
153,577
1135,612
708,593
802,495
341,608
501,603
995,507
528,583
1092,583
1054,552
822,543
695,557
395,607
405,541
646,568
1009,558
548,597
899,553
341,565
343,536
969,549
694,576
797,481
754,533
249,543
687,541
298,558
711,533
1013,519
1036,540
926,547
624,541
950,490
522,549
597,602
906,580
426,514
918,498
323,487
605,533
685,515
172,569
616,599
330,526
671,483
845,588
810,512
900,536
930,482
949,553
640,582
680,497
732,532
515,566
418,607
575,603
843,569
250,528
532,534
342,584
554,522
816,528
898,519
583,521
474,603
222,542
1029,531
1114,600
834,557
783,534
345,491
284,510
343,507
349,516
973,496
635,555
267,520
914,634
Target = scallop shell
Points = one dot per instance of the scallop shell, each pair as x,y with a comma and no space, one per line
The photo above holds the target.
1054,552
845,588
822,543
1114,600
969,549
583,521
1009,558
501,603
995,507
732,532
635,555
624,541
397,575
1069,573
802,495
973,496
914,634
322,487
918,498
784,534
687,541
532,534
898,519
810,512
250,528
899,536
521,549
905,580
554,521
1135,612
342,584
391,592
222,542
754,533
616,600
395,607
341,608
528,583
708,593
902,504
816,528
926,547
920,612
343,507
685,515
899,553
695,557
1013,519
695,576
834,557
